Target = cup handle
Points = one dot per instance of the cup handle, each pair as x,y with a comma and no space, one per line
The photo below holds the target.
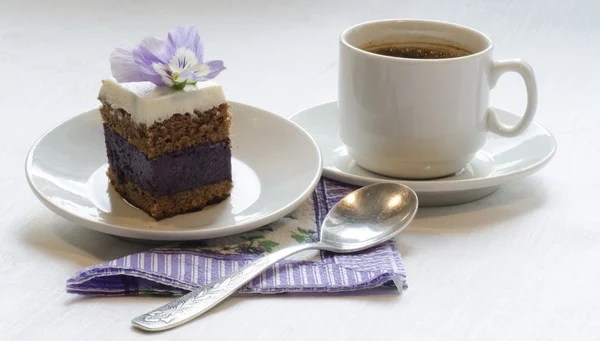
524,69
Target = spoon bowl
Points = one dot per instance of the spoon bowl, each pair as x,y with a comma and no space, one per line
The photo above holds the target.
367,217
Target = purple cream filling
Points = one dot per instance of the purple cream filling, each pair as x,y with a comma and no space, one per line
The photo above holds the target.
174,172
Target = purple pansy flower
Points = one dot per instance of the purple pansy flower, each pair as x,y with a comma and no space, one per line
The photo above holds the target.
176,63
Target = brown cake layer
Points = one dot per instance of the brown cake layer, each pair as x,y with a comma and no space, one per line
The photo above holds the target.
161,207
172,172
174,134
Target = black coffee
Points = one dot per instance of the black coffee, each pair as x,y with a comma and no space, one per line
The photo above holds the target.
418,51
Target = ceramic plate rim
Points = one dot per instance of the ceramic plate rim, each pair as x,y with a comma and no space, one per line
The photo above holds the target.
188,234
436,185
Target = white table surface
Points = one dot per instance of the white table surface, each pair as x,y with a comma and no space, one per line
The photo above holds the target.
521,264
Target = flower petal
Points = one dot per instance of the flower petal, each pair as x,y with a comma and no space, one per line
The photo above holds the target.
214,68
200,70
123,67
156,46
165,73
186,37
149,52
187,77
183,59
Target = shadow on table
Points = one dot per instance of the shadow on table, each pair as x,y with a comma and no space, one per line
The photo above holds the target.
376,294
507,203
379,297
61,238
496,210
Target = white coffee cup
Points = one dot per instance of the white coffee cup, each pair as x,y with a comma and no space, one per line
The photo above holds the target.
421,118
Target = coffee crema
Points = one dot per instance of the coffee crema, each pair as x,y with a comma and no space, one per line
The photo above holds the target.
418,50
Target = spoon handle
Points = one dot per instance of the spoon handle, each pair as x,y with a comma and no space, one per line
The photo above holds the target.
199,301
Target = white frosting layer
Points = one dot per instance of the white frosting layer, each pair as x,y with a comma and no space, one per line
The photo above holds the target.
148,103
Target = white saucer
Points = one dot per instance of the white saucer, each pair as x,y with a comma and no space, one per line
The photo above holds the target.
276,166
499,161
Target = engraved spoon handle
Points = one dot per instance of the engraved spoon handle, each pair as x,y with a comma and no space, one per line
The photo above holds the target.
199,301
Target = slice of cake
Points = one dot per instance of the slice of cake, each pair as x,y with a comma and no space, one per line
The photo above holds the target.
166,126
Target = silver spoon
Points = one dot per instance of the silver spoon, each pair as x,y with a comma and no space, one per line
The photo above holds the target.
362,219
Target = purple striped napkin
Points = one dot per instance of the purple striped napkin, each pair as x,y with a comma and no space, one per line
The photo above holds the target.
177,268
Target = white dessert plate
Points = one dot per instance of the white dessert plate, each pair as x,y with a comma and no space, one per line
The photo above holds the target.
499,161
276,165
